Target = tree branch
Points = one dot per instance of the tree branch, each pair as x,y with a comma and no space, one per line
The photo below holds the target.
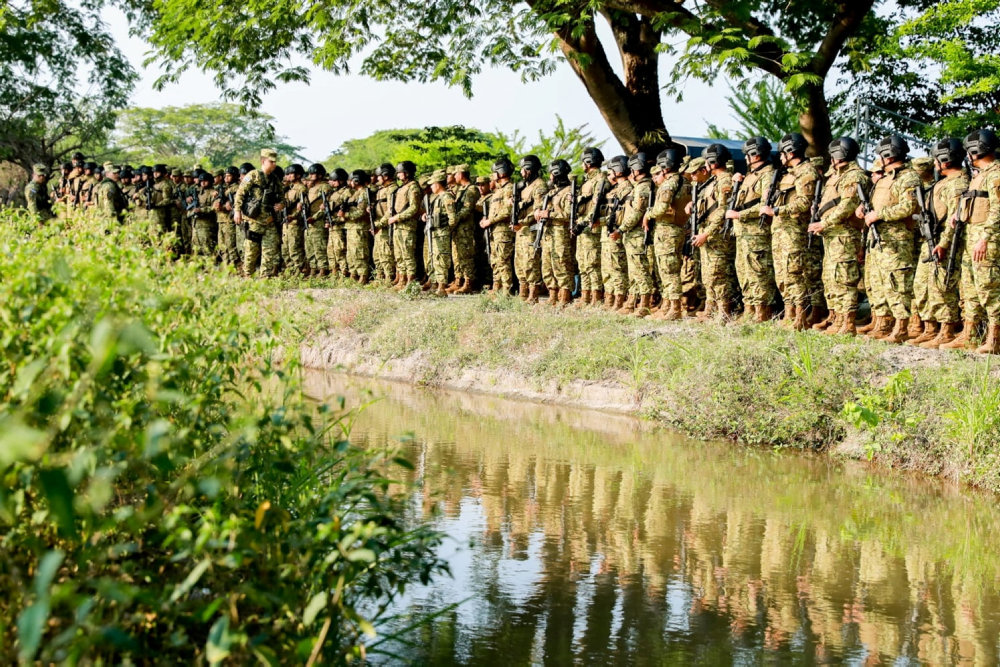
845,23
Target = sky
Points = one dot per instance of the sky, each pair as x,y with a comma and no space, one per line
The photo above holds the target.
321,115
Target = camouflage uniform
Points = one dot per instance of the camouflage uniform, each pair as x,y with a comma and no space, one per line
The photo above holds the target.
318,235
227,228
261,249
205,229
406,201
718,253
385,259
669,232
557,244
442,218
463,240
932,299
841,236
614,260
980,207
293,232
588,241
630,225
501,202
162,202
754,259
357,229
37,197
527,259
894,200
336,248
796,190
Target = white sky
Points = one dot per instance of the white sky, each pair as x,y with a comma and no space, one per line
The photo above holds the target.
321,115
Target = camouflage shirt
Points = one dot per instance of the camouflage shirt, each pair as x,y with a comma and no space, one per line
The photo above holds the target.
943,203
672,196
636,205
255,190
595,186
840,199
712,204
894,200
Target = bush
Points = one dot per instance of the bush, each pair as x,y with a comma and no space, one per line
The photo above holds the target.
167,492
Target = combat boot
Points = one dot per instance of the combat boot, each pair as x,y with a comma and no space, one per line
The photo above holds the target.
964,340
800,323
708,313
764,314
867,328
609,301
465,288
827,323
836,319
884,328
553,296
992,343
642,310
364,279
789,317
401,285
672,313
847,325
533,293
618,303
629,306
565,297
946,334
596,298
817,315
399,279
583,300
523,291
454,285
915,328
929,333
899,333
427,285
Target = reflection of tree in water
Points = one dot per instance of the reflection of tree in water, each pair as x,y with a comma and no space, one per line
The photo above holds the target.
653,551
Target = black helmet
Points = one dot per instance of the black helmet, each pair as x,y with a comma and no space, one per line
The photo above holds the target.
316,169
67,165
892,148
592,157
950,152
560,171
981,143
793,143
233,171
279,172
90,165
296,169
638,162
98,170
672,157
385,169
406,167
78,157
128,173
757,147
161,168
205,176
531,163
246,168
844,149
618,165
503,167
339,174
717,155
359,176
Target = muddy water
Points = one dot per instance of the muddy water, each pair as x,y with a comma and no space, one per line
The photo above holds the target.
587,538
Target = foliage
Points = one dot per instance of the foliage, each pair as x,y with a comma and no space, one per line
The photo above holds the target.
167,494
764,109
564,142
46,111
869,409
212,135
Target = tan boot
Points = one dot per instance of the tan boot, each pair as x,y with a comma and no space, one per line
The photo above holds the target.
596,298
899,333
817,315
872,324
583,300
800,323
642,310
399,279
673,311
883,329
963,340
789,316
915,328
834,324
609,301
442,290
533,294
992,343
930,332
454,285
402,284
618,303
523,291
827,323
565,298
847,324
465,287
553,296
629,306
763,314
946,334
708,313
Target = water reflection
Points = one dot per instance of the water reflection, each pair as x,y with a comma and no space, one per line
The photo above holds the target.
589,538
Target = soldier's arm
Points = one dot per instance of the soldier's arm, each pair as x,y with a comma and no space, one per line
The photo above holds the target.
843,212
357,211
559,206
466,203
412,208
992,230
664,200
906,187
712,225
953,196
801,201
639,204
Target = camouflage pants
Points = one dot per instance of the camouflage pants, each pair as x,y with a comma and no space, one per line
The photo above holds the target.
463,250
876,298
691,276
755,269
614,265
841,272
385,260
293,245
336,249
163,218
317,240
654,275
790,258
359,259
438,265
985,274
404,240
502,255
972,307
557,257
527,260
668,240
893,273
227,242
203,239
932,299
265,254
814,271
718,269
588,259
637,261
185,231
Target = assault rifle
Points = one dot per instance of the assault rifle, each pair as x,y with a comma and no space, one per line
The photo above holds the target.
649,226
371,210
304,207
595,215
572,205
327,213
515,209
927,225
772,192
539,227
727,225
486,231
427,230
688,249
815,217
148,192
866,207
955,240
613,205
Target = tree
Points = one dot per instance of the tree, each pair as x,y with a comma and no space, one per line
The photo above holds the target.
213,135
46,112
564,142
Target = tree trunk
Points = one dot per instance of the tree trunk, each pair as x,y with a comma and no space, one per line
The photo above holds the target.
815,121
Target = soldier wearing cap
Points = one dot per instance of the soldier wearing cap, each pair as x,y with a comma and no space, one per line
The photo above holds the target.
382,252
441,220
463,239
407,203
293,231
109,200
222,204
36,193
259,204
205,229
669,231
692,290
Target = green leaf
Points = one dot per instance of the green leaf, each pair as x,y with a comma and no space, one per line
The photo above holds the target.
30,626
60,497
316,605
47,569
361,555
18,442
190,581
219,641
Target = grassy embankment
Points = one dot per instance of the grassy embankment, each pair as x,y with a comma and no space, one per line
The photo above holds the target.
903,408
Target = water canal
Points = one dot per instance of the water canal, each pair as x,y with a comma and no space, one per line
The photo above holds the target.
587,538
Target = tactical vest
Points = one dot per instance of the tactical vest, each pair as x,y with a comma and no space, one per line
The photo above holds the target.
752,190
976,201
883,196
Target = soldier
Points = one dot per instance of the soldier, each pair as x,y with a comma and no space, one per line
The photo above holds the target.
527,258
718,250
129,185
754,260
259,204
204,228
630,231
36,193
75,181
406,202
614,262
463,240
841,236
222,204
357,225
790,219
500,234
318,231
440,220
593,193
385,259
483,251
336,249
894,203
85,196
109,200
692,290
293,231
160,204
669,231
557,242
979,210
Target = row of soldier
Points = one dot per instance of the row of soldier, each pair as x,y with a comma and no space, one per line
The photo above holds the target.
654,238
